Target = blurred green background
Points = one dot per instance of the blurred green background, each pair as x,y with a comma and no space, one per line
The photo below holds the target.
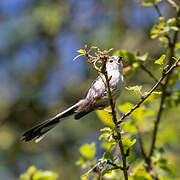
38,40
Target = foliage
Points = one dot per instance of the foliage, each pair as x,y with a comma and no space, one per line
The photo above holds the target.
38,79
34,174
119,140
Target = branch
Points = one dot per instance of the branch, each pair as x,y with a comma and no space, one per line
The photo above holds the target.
141,144
115,166
125,168
148,159
172,52
157,10
164,74
149,169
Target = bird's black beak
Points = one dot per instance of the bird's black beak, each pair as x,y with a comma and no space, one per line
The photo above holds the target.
120,59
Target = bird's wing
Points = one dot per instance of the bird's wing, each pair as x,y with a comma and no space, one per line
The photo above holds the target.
97,89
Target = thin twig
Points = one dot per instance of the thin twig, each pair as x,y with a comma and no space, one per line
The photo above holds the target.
150,92
158,10
115,166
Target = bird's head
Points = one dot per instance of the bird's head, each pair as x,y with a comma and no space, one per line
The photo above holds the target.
114,63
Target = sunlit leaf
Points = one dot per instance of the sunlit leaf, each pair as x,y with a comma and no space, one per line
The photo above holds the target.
93,47
106,129
171,21
31,170
81,51
146,3
126,107
136,89
163,39
154,95
45,175
35,174
127,142
106,117
149,2
88,150
153,36
175,28
140,113
160,60
142,57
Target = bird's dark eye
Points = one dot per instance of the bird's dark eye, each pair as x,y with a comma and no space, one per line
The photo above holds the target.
111,61
119,59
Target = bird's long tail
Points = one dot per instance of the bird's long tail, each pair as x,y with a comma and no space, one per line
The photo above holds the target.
40,130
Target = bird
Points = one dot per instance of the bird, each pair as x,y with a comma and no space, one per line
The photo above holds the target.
96,98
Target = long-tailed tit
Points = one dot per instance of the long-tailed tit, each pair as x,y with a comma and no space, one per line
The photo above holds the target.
96,98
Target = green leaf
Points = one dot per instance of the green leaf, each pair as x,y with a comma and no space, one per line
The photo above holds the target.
108,155
160,28
126,55
108,144
88,150
106,171
127,142
160,60
107,133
